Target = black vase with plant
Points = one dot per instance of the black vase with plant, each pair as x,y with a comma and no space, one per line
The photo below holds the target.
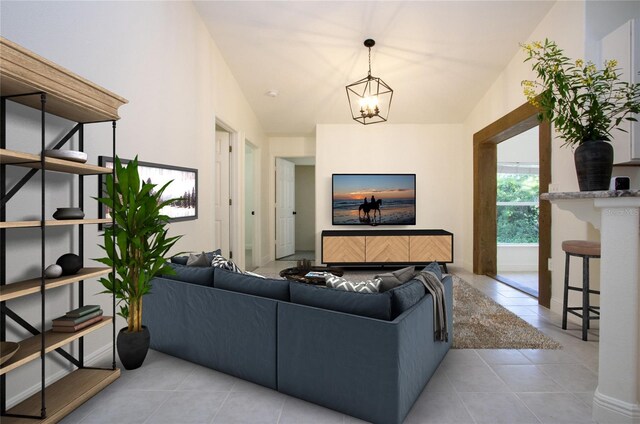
584,104
141,244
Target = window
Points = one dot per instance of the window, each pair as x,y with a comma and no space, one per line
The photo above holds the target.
517,203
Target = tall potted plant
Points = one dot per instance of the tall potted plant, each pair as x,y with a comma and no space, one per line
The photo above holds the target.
584,104
141,243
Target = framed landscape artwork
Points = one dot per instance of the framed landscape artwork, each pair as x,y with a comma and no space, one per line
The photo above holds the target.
184,187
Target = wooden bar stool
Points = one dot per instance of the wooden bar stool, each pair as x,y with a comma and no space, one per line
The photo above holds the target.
585,250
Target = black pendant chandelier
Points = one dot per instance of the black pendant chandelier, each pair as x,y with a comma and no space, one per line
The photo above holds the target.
370,97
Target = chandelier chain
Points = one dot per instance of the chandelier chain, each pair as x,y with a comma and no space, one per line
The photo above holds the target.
369,61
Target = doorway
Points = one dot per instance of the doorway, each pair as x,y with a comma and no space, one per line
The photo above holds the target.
223,190
295,208
250,205
518,188
485,170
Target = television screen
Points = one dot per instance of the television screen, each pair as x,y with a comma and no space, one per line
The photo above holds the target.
374,199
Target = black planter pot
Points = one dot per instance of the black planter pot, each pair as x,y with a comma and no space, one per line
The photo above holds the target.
594,163
133,347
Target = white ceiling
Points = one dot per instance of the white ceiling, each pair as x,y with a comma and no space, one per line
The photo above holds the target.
439,57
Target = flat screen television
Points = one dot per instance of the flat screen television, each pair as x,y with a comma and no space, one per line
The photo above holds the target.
374,199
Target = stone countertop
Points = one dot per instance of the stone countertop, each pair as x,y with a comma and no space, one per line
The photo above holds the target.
589,194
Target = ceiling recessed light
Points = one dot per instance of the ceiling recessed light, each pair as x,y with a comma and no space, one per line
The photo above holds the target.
272,93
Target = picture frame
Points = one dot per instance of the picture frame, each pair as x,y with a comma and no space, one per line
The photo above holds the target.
184,185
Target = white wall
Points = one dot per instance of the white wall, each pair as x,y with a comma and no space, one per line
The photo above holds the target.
429,151
160,57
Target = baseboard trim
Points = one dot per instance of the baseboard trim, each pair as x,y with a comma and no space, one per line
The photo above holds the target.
88,359
607,409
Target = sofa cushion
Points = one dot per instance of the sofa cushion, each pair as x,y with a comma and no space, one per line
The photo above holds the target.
243,283
435,268
194,275
182,260
396,278
198,260
373,305
405,296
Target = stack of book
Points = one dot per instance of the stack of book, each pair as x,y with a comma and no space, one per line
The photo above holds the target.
77,319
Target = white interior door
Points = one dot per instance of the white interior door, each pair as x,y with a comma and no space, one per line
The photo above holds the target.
221,207
285,208
249,207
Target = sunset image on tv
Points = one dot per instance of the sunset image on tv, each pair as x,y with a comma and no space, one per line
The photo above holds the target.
374,199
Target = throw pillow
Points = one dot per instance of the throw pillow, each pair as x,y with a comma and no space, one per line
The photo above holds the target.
368,286
182,260
435,268
396,278
198,260
220,261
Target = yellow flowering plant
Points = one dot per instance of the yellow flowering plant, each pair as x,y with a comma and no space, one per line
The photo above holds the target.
582,102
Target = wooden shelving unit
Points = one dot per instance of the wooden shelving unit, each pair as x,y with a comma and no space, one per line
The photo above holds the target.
31,80
64,395
30,348
31,286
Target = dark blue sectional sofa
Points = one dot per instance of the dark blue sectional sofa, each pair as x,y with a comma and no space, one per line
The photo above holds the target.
366,355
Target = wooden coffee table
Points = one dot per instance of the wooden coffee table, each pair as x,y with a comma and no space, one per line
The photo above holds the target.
298,274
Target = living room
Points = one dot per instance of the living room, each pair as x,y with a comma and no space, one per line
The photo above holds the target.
183,77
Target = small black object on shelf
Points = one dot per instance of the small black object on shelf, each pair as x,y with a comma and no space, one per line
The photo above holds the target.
70,263
68,213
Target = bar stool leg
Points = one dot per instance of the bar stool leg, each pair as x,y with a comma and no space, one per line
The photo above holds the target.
585,297
566,293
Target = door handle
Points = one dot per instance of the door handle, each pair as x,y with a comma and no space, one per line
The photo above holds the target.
253,212
294,212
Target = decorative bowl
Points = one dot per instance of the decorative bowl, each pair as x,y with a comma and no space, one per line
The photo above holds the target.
71,155
68,213
7,350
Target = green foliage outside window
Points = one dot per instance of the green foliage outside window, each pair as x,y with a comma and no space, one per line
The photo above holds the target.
518,223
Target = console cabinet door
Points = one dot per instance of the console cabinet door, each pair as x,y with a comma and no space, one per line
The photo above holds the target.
387,249
343,249
430,248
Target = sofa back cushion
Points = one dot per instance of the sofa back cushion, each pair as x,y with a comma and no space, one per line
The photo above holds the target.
373,305
195,275
244,283
405,296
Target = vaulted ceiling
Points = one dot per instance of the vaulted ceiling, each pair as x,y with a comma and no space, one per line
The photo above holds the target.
439,57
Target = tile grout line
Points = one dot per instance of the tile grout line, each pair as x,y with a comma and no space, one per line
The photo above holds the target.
282,409
222,405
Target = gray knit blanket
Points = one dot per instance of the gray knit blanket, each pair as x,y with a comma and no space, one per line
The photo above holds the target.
434,286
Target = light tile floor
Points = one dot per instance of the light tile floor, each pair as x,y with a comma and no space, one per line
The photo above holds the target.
470,386
522,280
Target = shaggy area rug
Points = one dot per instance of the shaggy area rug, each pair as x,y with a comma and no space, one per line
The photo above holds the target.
478,321
481,323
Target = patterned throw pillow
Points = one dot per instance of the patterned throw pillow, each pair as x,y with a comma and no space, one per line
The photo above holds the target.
368,286
220,261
